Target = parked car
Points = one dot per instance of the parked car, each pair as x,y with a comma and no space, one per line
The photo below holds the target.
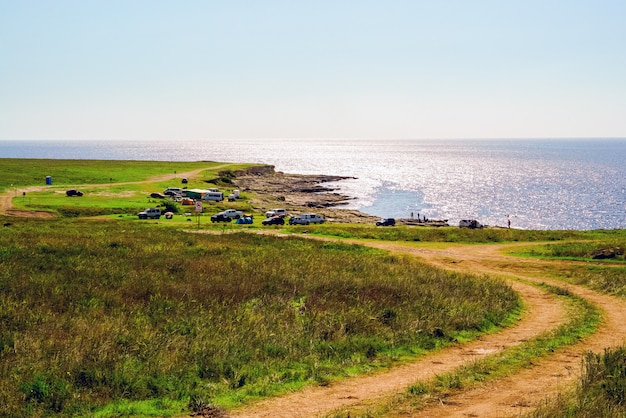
386,222
274,220
232,213
169,215
220,217
73,192
184,181
470,223
156,195
173,191
212,195
245,220
151,213
306,218
276,212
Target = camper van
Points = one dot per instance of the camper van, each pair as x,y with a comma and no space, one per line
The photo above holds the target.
213,196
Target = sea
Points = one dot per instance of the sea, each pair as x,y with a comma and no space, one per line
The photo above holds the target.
571,184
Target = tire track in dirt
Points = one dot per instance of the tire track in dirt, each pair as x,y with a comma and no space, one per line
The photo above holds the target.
505,397
524,391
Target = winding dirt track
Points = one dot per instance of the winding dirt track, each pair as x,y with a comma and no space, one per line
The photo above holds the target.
502,398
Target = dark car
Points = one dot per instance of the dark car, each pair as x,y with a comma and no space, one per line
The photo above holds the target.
156,195
73,192
274,220
386,222
220,217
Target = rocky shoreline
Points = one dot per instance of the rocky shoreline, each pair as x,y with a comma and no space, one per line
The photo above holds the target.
298,193
306,193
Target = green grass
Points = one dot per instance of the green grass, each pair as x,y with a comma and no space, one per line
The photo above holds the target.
578,250
601,391
138,318
123,314
66,173
583,320
440,234
105,184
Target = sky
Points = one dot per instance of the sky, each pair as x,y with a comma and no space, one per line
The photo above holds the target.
393,69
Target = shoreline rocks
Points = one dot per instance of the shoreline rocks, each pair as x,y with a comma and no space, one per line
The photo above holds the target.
299,193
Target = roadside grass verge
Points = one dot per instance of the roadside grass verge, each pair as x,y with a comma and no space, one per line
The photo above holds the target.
607,276
102,318
583,250
583,321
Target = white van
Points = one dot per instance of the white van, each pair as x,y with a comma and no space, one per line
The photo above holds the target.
470,223
306,218
213,196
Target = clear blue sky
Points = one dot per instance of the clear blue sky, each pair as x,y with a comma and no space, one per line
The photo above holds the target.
135,69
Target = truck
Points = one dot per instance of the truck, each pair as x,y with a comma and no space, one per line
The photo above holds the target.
231,213
150,213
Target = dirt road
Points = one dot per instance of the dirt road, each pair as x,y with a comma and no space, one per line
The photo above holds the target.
502,398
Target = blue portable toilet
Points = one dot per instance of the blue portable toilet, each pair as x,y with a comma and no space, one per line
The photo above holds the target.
48,179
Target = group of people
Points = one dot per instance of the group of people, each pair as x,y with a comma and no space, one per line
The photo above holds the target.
424,219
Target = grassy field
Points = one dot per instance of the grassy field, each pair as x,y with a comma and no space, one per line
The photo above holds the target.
101,312
109,188
455,234
112,316
15,172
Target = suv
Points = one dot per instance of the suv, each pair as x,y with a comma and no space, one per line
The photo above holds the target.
151,213
386,222
220,217
276,212
306,218
274,220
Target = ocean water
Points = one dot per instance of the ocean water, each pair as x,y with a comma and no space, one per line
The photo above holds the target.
536,184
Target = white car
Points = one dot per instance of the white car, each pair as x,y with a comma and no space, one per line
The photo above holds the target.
470,223
231,213
276,212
